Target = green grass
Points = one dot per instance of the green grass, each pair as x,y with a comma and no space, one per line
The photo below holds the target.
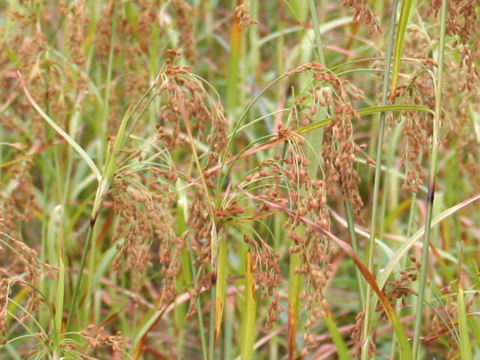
287,183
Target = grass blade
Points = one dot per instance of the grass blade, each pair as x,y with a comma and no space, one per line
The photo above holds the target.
465,345
220,286
295,282
59,130
309,128
402,28
249,315
342,348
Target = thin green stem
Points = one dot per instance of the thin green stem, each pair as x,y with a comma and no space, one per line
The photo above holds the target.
108,80
199,315
369,312
431,184
76,290
354,241
211,332
316,31
411,217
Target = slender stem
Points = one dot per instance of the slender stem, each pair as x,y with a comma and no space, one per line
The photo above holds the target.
411,217
108,80
76,290
199,312
431,184
354,241
371,246
316,31
211,337
234,67
228,329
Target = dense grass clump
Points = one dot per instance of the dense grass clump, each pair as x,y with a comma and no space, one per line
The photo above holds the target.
239,180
